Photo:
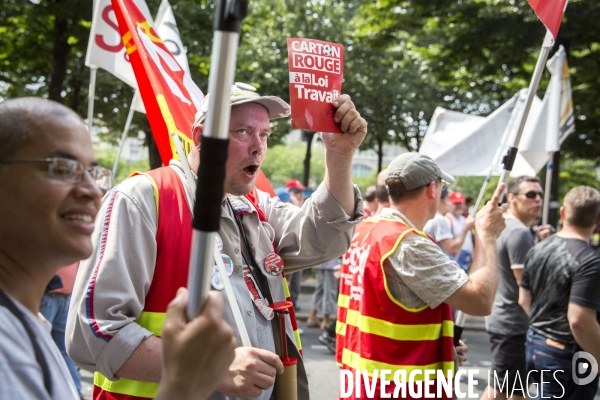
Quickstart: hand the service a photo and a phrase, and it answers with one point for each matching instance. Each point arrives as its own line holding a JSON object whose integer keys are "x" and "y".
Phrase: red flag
{"x": 550, "y": 12}
{"x": 170, "y": 96}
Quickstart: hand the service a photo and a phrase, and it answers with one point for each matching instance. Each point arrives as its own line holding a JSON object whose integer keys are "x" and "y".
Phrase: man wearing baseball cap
{"x": 460, "y": 248}
{"x": 143, "y": 245}
{"x": 398, "y": 288}
{"x": 296, "y": 190}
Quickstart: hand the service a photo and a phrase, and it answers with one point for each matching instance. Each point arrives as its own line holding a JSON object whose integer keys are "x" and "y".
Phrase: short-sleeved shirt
{"x": 508, "y": 317}
{"x": 456, "y": 225}
{"x": 559, "y": 271}
{"x": 439, "y": 229}
{"x": 21, "y": 376}
{"x": 418, "y": 273}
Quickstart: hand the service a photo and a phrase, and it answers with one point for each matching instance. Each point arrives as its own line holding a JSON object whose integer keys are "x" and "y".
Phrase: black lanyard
{"x": 259, "y": 278}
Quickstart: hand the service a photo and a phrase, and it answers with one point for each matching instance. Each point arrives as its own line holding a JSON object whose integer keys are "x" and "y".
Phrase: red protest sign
{"x": 316, "y": 75}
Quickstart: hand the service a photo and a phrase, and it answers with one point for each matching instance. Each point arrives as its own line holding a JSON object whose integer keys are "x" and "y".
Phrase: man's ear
{"x": 197, "y": 135}
{"x": 431, "y": 189}
{"x": 562, "y": 213}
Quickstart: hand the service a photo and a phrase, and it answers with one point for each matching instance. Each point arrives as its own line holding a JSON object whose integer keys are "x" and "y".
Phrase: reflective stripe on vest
{"x": 154, "y": 323}
{"x": 374, "y": 330}
{"x": 126, "y": 387}
{"x": 356, "y": 362}
{"x": 397, "y": 331}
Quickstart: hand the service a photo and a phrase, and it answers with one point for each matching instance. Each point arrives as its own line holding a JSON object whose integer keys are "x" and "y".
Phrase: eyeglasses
{"x": 531, "y": 194}
{"x": 438, "y": 181}
{"x": 71, "y": 171}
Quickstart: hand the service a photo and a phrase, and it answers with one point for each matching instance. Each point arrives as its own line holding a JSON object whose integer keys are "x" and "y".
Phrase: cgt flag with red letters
{"x": 170, "y": 96}
{"x": 550, "y": 12}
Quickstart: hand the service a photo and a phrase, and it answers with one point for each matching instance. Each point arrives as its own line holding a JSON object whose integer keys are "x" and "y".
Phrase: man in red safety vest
{"x": 397, "y": 287}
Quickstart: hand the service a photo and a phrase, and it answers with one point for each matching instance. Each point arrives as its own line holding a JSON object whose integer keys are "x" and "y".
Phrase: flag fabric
{"x": 170, "y": 96}
{"x": 466, "y": 145}
{"x": 550, "y": 12}
{"x": 555, "y": 121}
{"x": 105, "y": 48}
{"x": 167, "y": 90}
{"x": 168, "y": 32}
{"x": 567, "y": 118}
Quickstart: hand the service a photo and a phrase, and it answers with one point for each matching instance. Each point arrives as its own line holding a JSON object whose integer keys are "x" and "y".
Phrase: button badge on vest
{"x": 219, "y": 242}
{"x": 227, "y": 263}
{"x": 273, "y": 264}
{"x": 216, "y": 281}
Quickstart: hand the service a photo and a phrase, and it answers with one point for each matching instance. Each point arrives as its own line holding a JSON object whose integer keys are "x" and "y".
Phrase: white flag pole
{"x": 509, "y": 158}
{"x": 91, "y": 96}
{"x": 124, "y": 134}
{"x": 510, "y": 127}
{"x": 235, "y": 308}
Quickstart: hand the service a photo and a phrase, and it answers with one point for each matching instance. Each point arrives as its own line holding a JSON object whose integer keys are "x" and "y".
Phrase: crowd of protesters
{"x": 416, "y": 255}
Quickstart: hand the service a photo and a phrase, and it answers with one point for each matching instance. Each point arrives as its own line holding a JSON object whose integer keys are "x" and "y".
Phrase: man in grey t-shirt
{"x": 438, "y": 227}
{"x": 508, "y": 323}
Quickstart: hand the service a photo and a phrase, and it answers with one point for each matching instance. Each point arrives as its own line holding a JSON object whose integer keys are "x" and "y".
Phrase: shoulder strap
{"x": 39, "y": 356}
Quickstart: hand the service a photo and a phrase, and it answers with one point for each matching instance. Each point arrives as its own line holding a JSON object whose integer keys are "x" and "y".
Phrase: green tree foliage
{"x": 470, "y": 186}
{"x": 106, "y": 158}
{"x": 403, "y": 58}
{"x": 576, "y": 172}
{"x": 283, "y": 163}
{"x": 481, "y": 52}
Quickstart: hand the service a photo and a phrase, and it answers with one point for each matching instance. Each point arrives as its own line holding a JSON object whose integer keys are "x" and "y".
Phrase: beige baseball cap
{"x": 243, "y": 93}
{"x": 416, "y": 170}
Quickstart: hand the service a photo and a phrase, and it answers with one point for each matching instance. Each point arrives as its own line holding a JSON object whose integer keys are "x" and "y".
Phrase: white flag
{"x": 105, "y": 46}
{"x": 465, "y": 145}
{"x": 555, "y": 121}
{"x": 166, "y": 27}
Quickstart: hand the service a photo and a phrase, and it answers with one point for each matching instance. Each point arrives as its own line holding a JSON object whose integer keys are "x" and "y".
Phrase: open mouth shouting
{"x": 251, "y": 170}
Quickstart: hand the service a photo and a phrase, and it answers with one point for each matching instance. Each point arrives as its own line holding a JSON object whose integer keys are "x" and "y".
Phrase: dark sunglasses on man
{"x": 71, "y": 171}
{"x": 531, "y": 194}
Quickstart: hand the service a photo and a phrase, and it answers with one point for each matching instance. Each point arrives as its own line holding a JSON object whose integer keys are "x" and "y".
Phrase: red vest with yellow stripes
{"x": 375, "y": 330}
{"x": 173, "y": 241}
{"x": 173, "y": 246}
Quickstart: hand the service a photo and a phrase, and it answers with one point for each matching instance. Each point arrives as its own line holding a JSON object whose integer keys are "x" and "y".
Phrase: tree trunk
{"x": 379, "y": 154}
{"x": 76, "y": 83}
{"x": 154, "y": 155}
{"x": 309, "y": 138}
{"x": 60, "y": 52}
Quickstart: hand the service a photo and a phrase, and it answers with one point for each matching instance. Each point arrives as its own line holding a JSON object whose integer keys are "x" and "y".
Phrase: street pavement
{"x": 323, "y": 373}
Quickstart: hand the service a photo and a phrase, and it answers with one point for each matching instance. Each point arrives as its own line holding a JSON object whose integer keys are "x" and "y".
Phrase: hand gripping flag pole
{"x": 213, "y": 151}
{"x": 509, "y": 159}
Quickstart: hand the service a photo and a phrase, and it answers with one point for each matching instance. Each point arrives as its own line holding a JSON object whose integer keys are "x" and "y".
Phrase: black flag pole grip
{"x": 458, "y": 330}
{"x": 213, "y": 153}
{"x": 209, "y": 192}
{"x": 508, "y": 161}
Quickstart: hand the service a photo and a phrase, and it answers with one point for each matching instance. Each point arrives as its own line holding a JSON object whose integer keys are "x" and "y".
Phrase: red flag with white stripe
{"x": 550, "y": 12}
{"x": 170, "y": 96}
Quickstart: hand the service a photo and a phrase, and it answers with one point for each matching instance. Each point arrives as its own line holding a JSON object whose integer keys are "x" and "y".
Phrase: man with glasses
{"x": 507, "y": 325}
{"x": 51, "y": 190}
{"x": 397, "y": 286}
